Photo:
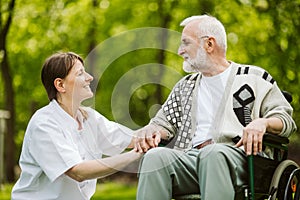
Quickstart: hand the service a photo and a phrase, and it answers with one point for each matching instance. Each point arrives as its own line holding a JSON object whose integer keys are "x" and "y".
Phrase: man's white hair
{"x": 209, "y": 26}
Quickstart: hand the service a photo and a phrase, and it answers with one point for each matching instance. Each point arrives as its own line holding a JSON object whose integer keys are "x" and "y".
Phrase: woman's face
{"x": 77, "y": 83}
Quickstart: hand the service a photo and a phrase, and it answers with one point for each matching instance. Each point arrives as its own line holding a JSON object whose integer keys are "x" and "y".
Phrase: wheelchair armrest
{"x": 279, "y": 145}
{"x": 287, "y": 96}
{"x": 268, "y": 138}
{"x": 275, "y": 139}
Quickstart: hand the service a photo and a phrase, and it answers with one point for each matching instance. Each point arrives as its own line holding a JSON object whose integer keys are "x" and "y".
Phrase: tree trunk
{"x": 9, "y": 158}
{"x": 166, "y": 18}
{"x": 10, "y": 106}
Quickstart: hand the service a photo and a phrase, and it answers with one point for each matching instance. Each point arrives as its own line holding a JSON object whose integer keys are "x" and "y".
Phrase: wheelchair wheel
{"x": 293, "y": 185}
{"x": 280, "y": 180}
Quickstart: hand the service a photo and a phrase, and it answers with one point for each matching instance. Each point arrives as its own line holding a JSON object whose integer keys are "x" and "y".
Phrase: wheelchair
{"x": 268, "y": 179}
{"x": 279, "y": 178}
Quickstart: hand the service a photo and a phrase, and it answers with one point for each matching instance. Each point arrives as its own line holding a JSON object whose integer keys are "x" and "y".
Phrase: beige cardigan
{"x": 250, "y": 93}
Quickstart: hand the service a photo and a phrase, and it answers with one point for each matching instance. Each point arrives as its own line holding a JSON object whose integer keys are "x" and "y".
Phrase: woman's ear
{"x": 59, "y": 85}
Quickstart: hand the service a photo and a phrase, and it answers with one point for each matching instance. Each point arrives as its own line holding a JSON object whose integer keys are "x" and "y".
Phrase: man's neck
{"x": 216, "y": 68}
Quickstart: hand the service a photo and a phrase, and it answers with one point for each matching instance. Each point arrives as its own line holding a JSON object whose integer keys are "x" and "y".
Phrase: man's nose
{"x": 180, "y": 51}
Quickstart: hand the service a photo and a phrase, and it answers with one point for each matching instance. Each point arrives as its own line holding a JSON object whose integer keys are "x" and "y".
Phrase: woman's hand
{"x": 146, "y": 138}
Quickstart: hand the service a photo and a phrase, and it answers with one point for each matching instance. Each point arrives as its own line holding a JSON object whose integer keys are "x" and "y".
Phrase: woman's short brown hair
{"x": 57, "y": 66}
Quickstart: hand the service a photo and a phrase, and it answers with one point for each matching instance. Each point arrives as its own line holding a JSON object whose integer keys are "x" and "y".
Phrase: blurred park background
{"x": 260, "y": 32}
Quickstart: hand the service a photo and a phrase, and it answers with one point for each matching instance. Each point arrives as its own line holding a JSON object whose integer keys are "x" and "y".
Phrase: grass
{"x": 112, "y": 190}
{"x": 115, "y": 190}
{"x": 104, "y": 191}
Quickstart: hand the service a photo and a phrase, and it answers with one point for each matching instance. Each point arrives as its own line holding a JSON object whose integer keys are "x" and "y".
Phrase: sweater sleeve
{"x": 161, "y": 119}
{"x": 275, "y": 105}
{"x": 169, "y": 116}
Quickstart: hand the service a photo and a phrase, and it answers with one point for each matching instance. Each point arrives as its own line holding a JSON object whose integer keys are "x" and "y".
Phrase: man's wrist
{"x": 164, "y": 133}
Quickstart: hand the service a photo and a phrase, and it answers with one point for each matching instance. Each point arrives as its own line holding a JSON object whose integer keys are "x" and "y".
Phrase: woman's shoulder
{"x": 43, "y": 117}
{"x": 43, "y": 113}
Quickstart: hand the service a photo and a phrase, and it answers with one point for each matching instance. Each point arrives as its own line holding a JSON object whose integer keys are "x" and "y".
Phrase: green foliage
{"x": 260, "y": 32}
{"x": 5, "y": 191}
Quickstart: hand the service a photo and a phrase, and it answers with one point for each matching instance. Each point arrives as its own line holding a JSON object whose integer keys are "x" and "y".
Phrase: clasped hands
{"x": 146, "y": 138}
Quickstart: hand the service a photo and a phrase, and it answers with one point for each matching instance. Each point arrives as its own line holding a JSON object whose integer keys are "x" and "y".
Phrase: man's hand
{"x": 253, "y": 136}
{"x": 146, "y": 138}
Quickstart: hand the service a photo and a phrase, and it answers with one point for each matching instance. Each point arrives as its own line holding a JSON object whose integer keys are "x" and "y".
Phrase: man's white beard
{"x": 188, "y": 67}
{"x": 195, "y": 65}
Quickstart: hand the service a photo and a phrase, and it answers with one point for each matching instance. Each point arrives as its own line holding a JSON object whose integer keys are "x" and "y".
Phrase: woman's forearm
{"x": 92, "y": 169}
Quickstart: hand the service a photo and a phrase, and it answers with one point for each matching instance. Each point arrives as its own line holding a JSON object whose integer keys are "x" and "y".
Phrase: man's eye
{"x": 183, "y": 44}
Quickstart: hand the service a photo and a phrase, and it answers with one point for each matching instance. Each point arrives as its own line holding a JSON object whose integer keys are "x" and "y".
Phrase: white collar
{"x": 63, "y": 117}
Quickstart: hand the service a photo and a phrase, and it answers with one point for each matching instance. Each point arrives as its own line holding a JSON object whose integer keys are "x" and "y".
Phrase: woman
{"x": 64, "y": 142}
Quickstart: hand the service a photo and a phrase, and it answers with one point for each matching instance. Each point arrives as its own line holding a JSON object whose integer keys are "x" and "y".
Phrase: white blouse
{"x": 53, "y": 144}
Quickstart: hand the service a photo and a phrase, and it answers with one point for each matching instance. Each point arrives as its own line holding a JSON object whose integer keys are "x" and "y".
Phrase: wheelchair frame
{"x": 283, "y": 178}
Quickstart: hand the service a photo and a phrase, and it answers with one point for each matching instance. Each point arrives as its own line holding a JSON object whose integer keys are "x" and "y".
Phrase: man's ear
{"x": 210, "y": 44}
{"x": 59, "y": 85}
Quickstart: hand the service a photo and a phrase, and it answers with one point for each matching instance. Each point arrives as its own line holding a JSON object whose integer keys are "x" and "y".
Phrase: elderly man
{"x": 203, "y": 116}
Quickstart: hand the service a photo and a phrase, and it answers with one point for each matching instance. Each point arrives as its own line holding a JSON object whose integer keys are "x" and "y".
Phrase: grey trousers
{"x": 214, "y": 171}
